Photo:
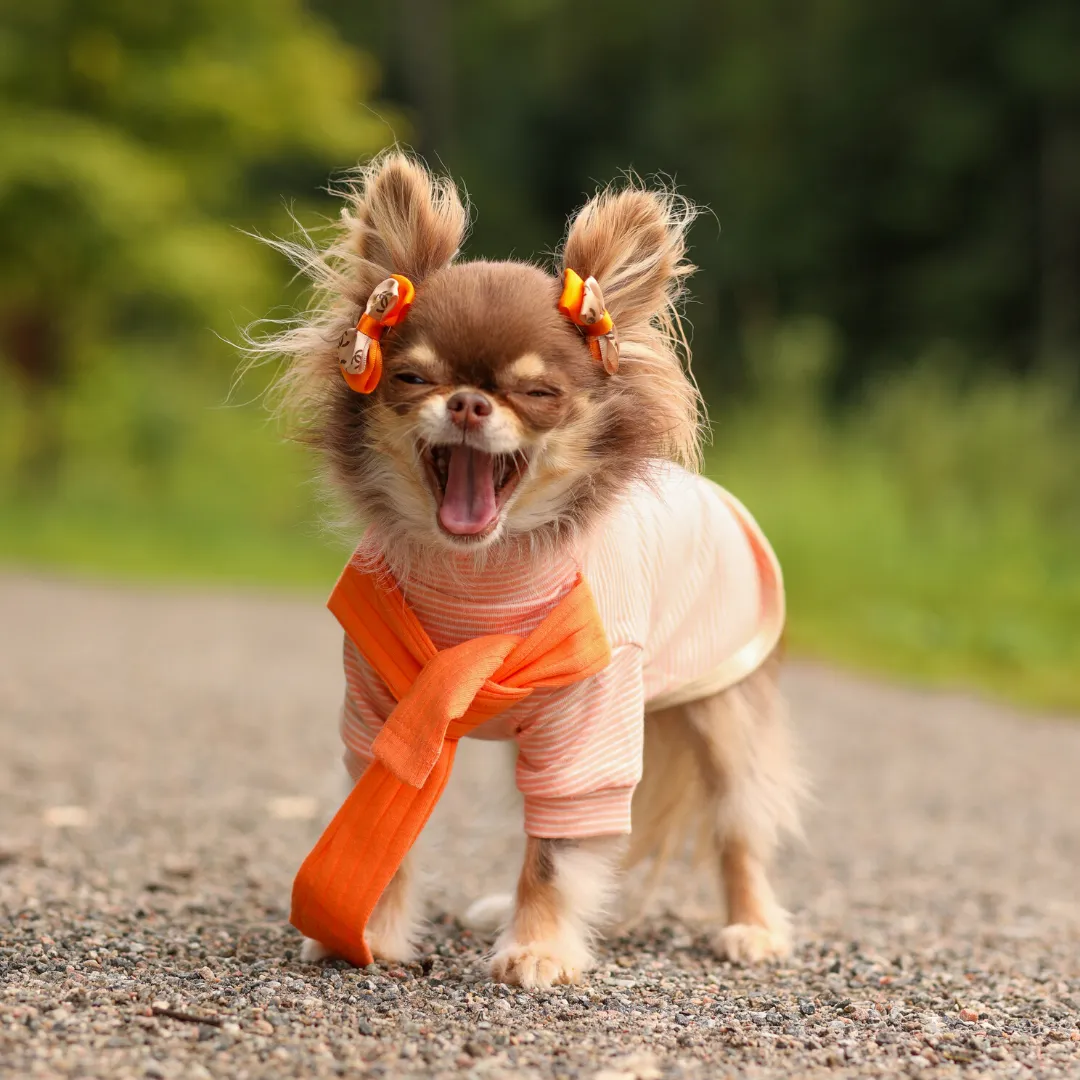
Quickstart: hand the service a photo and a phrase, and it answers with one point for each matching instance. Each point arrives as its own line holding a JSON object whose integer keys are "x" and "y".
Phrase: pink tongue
{"x": 468, "y": 505}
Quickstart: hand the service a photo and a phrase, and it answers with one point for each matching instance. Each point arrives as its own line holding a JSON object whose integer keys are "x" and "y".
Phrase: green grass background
{"x": 931, "y": 532}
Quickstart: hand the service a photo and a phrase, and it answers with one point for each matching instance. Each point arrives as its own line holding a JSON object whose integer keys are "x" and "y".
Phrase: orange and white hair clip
{"x": 582, "y": 302}
{"x": 359, "y": 350}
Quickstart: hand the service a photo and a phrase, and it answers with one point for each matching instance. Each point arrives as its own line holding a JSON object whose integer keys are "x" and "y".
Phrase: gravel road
{"x": 166, "y": 759}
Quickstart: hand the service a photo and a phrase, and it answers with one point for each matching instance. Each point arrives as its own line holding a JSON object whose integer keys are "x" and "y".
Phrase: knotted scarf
{"x": 441, "y": 696}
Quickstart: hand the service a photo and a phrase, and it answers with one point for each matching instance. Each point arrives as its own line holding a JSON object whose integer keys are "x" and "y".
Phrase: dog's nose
{"x": 468, "y": 409}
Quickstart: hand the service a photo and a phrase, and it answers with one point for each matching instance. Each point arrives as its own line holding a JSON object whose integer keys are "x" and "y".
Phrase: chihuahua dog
{"x": 510, "y": 442}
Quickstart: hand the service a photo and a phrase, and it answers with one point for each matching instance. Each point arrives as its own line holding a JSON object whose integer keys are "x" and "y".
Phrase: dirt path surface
{"x": 166, "y": 759}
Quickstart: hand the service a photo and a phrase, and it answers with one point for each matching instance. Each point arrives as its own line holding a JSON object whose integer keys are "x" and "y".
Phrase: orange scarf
{"x": 441, "y": 696}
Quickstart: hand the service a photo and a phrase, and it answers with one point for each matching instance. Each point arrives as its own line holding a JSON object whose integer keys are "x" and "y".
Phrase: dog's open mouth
{"x": 471, "y": 486}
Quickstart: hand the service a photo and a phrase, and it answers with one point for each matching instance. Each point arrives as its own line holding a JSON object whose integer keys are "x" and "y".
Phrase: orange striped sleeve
{"x": 580, "y": 753}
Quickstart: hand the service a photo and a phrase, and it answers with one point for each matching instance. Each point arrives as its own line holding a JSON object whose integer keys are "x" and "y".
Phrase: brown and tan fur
{"x": 720, "y": 779}
{"x": 716, "y": 771}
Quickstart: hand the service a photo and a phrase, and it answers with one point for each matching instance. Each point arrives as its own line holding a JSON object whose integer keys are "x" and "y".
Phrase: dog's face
{"x": 491, "y": 419}
{"x": 492, "y": 423}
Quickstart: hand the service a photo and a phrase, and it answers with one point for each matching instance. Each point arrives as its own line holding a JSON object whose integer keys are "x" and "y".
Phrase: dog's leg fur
{"x": 757, "y": 926}
{"x": 719, "y": 774}
{"x": 392, "y": 926}
{"x": 562, "y": 893}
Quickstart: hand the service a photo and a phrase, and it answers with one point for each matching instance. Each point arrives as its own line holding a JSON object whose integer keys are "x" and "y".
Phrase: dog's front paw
{"x": 538, "y": 964}
{"x": 312, "y": 951}
{"x": 390, "y": 943}
{"x": 742, "y": 943}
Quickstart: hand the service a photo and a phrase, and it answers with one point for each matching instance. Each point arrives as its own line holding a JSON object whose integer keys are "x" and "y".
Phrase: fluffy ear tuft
{"x": 400, "y": 219}
{"x": 633, "y": 241}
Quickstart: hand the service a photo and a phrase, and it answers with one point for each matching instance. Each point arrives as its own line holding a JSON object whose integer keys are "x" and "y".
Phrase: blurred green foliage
{"x": 910, "y": 172}
{"x": 886, "y": 322}
{"x": 139, "y": 140}
{"x": 930, "y": 531}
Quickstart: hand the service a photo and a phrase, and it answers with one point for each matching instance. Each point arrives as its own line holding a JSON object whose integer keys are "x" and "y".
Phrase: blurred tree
{"x": 137, "y": 138}
{"x": 910, "y": 172}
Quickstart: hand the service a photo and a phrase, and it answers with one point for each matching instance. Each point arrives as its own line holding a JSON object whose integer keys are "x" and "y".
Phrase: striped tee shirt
{"x": 691, "y": 599}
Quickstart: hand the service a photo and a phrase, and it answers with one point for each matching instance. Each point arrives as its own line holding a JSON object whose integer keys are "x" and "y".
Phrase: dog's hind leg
{"x": 719, "y": 775}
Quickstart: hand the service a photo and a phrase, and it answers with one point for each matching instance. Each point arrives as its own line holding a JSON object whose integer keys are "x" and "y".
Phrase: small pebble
{"x": 293, "y": 808}
{"x": 179, "y": 866}
{"x": 67, "y": 817}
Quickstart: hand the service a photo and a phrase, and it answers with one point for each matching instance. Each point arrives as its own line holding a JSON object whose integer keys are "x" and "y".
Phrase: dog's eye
{"x": 411, "y": 379}
{"x": 541, "y": 393}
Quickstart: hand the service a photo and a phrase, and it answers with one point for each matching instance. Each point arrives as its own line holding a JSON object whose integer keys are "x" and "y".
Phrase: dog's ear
{"x": 400, "y": 219}
{"x": 633, "y": 241}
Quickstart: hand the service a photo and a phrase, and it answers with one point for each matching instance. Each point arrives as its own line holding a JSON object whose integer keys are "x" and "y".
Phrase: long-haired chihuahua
{"x": 501, "y": 429}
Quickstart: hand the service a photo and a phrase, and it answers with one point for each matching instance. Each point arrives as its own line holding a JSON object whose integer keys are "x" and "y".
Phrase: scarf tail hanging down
{"x": 349, "y": 868}
{"x": 442, "y": 696}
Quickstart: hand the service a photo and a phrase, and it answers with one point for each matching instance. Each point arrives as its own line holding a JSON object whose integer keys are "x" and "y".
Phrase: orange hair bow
{"x": 582, "y": 302}
{"x": 359, "y": 351}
